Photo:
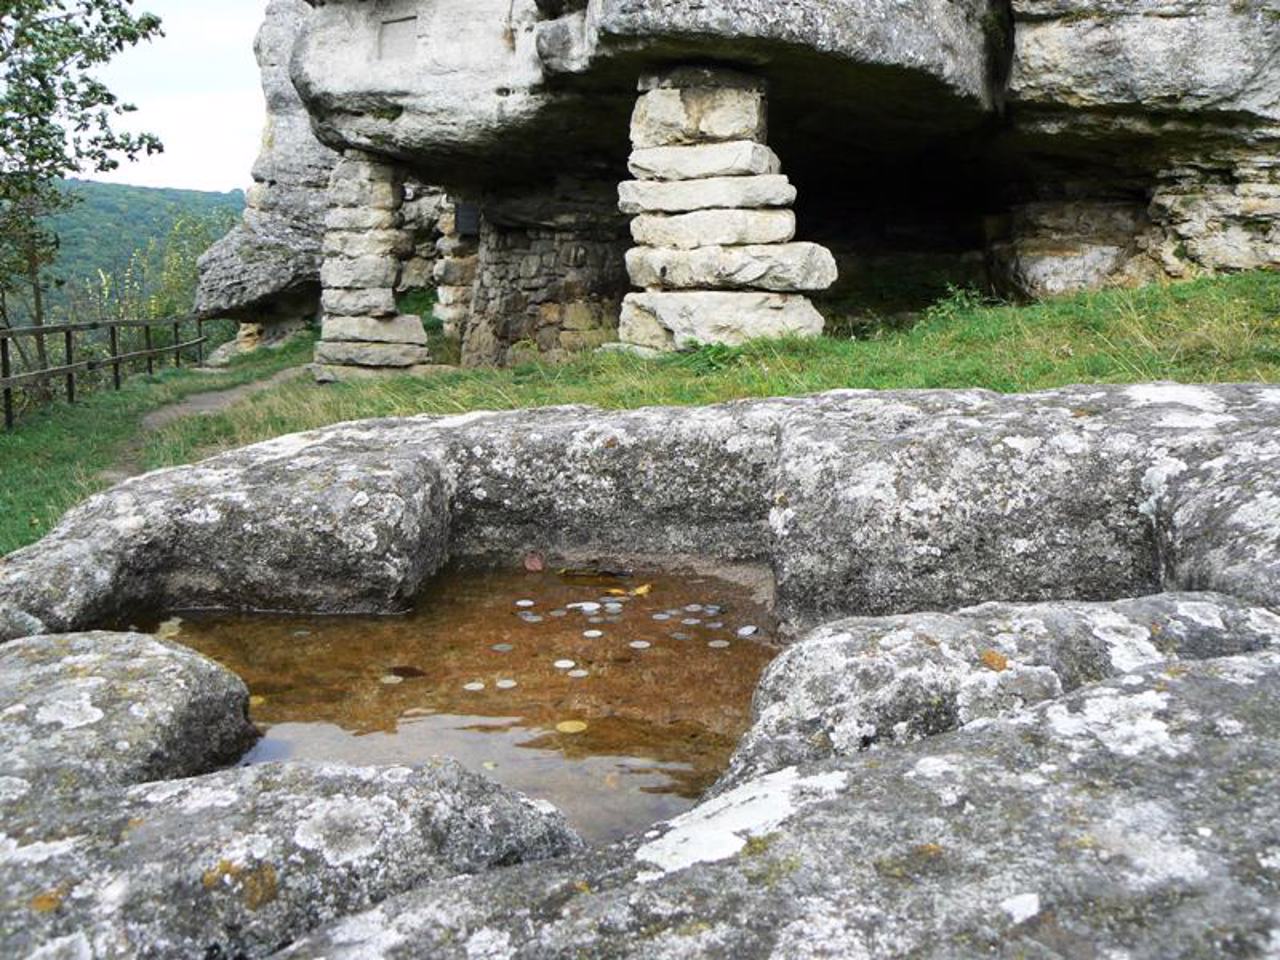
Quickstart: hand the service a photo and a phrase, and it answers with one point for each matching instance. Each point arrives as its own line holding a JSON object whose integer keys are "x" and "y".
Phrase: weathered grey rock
{"x": 854, "y": 684}
{"x": 360, "y": 273}
{"x": 368, "y": 243}
{"x": 674, "y": 321}
{"x": 455, "y": 271}
{"x": 405, "y": 328}
{"x": 88, "y": 711}
{"x": 1135, "y": 817}
{"x": 267, "y": 269}
{"x": 707, "y": 228}
{"x": 15, "y": 624}
{"x": 351, "y": 218}
{"x": 360, "y": 303}
{"x": 741, "y": 158}
{"x": 371, "y": 354}
{"x": 681, "y": 196}
{"x": 862, "y": 503}
{"x": 780, "y": 267}
{"x": 240, "y": 863}
{"x": 671, "y": 117}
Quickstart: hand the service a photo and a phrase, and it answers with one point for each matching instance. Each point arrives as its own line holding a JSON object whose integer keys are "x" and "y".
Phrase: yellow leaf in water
{"x": 571, "y": 726}
{"x": 616, "y": 592}
{"x": 642, "y": 591}
{"x": 257, "y": 700}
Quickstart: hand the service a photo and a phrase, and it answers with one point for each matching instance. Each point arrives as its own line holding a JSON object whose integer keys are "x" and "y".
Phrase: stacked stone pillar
{"x": 455, "y": 273}
{"x": 713, "y": 219}
{"x": 362, "y": 332}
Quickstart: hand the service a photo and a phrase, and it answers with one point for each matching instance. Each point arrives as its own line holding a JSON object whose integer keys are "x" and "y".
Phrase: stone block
{"x": 359, "y": 273}
{"x": 456, "y": 247}
{"x": 366, "y": 194}
{"x": 674, "y": 321}
{"x": 416, "y": 274}
{"x": 589, "y": 315}
{"x": 364, "y": 354}
{"x": 349, "y": 218}
{"x": 716, "y": 193}
{"x": 349, "y": 168}
{"x": 453, "y": 296}
{"x": 359, "y": 303}
{"x": 368, "y": 243}
{"x": 778, "y": 267}
{"x": 737, "y": 158}
{"x": 667, "y": 117}
{"x": 456, "y": 271}
{"x": 710, "y": 228}
{"x": 402, "y": 329}
{"x": 580, "y": 340}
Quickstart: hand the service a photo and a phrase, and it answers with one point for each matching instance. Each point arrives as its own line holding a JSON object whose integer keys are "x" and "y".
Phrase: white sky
{"x": 197, "y": 88}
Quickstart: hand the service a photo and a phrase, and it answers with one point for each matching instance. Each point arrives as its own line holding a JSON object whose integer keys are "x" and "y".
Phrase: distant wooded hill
{"x": 112, "y": 221}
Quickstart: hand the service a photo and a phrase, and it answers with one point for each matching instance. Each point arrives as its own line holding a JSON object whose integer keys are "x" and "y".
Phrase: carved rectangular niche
{"x": 398, "y": 39}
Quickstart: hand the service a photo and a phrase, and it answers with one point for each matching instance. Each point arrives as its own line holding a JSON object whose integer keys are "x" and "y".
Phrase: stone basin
{"x": 1031, "y": 703}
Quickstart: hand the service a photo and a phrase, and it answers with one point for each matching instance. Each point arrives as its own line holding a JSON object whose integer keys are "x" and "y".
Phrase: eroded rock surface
{"x": 863, "y": 503}
{"x": 84, "y": 712}
{"x": 240, "y": 863}
{"x": 1094, "y": 825}
{"x": 854, "y": 684}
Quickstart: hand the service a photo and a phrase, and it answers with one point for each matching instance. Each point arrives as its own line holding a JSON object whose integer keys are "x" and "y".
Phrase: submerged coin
{"x": 748, "y": 631}
{"x": 559, "y": 613}
{"x": 571, "y": 726}
{"x": 712, "y": 610}
{"x": 391, "y": 680}
{"x": 595, "y": 619}
{"x": 719, "y": 644}
{"x": 502, "y": 648}
{"x": 586, "y": 606}
{"x": 579, "y": 674}
{"x": 694, "y": 607}
{"x": 526, "y": 603}
{"x": 506, "y": 684}
{"x": 302, "y": 633}
{"x": 691, "y": 621}
{"x": 530, "y": 618}
{"x": 564, "y": 664}
{"x": 593, "y": 634}
{"x": 640, "y": 644}
{"x": 662, "y": 616}
{"x": 680, "y": 636}
{"x": 716, "y": 625}
{"x": 475, "y": 687}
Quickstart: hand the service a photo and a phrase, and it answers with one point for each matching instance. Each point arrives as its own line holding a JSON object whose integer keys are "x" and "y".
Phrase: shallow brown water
{"x": 631, "y": 736}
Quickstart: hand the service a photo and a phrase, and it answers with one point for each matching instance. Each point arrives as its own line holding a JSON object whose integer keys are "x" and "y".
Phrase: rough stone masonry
{"x": 713, "y": 219}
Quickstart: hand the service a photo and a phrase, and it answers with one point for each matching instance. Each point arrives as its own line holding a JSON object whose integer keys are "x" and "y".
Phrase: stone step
{"x": 404, "y": 329}
{"x": 716, "y": 193}
{"x": 779, "y": 267}
{"x": 669, "y": 117}
{"x": 738, "y": 158}
{"x": 711, "y": 228}
{"x": 674, "y": 321}
{"x": 350, "y": 353}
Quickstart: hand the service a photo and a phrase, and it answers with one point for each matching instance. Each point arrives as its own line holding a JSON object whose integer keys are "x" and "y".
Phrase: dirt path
{"x": 196, "y": 405}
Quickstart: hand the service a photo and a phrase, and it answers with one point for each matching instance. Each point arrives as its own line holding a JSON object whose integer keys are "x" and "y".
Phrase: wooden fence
{"x": 70, "y": 368}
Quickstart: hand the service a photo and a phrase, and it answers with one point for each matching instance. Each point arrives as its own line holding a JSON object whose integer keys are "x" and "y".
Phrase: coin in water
{"x": 691, "y": 621}
{"x": 391, "y": 680}
{"x": 694, "y": 607}
{"x": 593, "y": 634}
{"x": 531, "y": 618}
{"x": 526, "y": 603}
{"x": 716, "y": 625}
{"x": 564, "y": 664}
{"x": 559, "y": 613}
{"x": 662, "y": 616}
{"x": 571, "y": 726}
{"x": 579, "y": 674}
{"x": 748, "y": 631}
{"x": 680, "y": 636}
{"x": 595, "y": 619}
{"x": 473, "y": 687}
{"x": 640, "y": 644}
{"x": 586, "y": 606}
{"x": 712, "y": 610}
{"x": 718, "y": 644}
{"x": 506, "y": 684}
{"x": 502, "y": 648}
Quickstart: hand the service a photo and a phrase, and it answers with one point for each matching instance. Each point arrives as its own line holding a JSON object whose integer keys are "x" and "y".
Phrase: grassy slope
{"x": 1218, "y": 330}
{"x": 54, "y": 457}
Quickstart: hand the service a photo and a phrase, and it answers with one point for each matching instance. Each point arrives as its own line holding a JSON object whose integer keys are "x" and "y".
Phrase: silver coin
{"x": 559, "y": 613}
{"x": 502, "y": 648}
{"x": 613, "y": 608}
{"x": 662, "y": 616}
{"x": 694, "y": 608}
{"x": 531, "y": 618}
{"x": 680, "y": 636}
{"x": 391, "y": 680}
{"x": 595, "y": 619}
{"x": 712, "y": 610}
{"x": 302, "y": 633}
{"x": 586, "y": 606}
{"x": 748, "y": 631}
{"x": 691, "y": 621}
{"x": 579, "y": 674}
{"x": 640, "y": 644}
{"x": 506, "y": 684}
{"x": 719, "y": 644}
{"x": 564, "y": 664}
{"x": 593, "y": 634}
{"x": 716, "y": 625}
{"x": 473, "y": 687}
{"x": 526, "y": 603}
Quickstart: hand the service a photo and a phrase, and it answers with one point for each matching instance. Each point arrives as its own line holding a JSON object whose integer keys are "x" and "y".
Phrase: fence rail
{"x": 70, "y": 368}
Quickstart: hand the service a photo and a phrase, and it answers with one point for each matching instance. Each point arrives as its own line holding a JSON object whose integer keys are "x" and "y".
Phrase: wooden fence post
{"x": 177, "y": 339}
{"x": 200, "y": 344}
{"x": 151, "y": 367}
{"x": 115, "y": 353}
{"x": 4, "y": 375}
{"x": 68, "y": 339}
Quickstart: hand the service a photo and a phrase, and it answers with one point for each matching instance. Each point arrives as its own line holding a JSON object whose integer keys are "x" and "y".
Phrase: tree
{"x": 56, "y": 119}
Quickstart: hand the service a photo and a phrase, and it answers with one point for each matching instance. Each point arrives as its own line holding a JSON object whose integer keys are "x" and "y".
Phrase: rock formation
{"x": 1038, "y": 146}
{"x": 1080, "y": 764}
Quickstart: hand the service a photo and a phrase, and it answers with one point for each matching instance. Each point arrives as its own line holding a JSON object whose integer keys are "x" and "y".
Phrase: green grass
{"x": 1212, "y": 330}
{"x": 54, "y": 457}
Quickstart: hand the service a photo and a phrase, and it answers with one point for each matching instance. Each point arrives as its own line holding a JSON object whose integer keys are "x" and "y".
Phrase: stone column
{"x": 455, "y": 273}
{"x": 362, "y": 331}
{"x": 712, "y": 219}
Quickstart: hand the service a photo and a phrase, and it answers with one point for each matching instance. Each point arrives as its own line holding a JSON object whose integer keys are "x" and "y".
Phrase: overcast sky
{"x": 197, "y": 88}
